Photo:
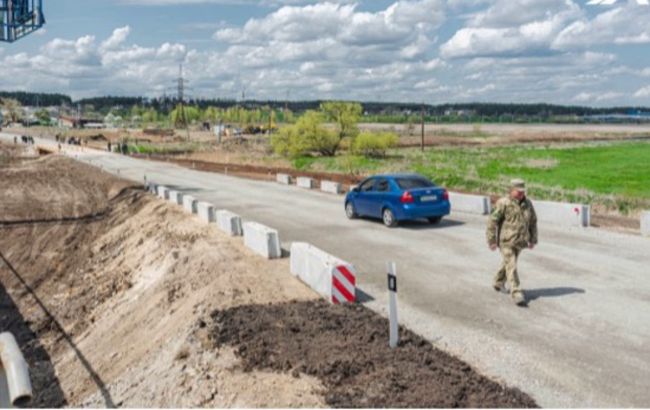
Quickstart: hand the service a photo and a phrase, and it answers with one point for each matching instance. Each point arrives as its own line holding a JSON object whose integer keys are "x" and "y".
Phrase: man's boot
{"x": 519, "y": 299}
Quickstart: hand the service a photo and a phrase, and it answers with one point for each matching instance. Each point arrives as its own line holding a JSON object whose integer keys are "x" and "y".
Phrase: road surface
{"x": 582, "y": 342}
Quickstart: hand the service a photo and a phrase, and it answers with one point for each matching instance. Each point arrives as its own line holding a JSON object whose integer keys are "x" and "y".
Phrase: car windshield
{"x": 413, "y": 183}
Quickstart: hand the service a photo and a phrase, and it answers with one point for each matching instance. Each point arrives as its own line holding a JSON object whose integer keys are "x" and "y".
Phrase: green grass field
{"x": 616, "y": 175}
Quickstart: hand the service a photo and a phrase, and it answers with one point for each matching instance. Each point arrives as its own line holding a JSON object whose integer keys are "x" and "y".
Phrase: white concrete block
{"x": 229, "y": 222}
{"x": 560, "y": 213}
{"x": 190, "y": 204}
{"x": 473, "y": 204}
{"x": 205, "y": 210}
{"x": 645, "y": 223}
{"x": 331, "y": 187}
{"x": 163, "y": 192}
{"x": 176, "y": 197}
{"x": 331, "y": 277}
{"x": 306, "y": 182}
{"x": 262, "y": 240}
{"x": 283, "y": 179}
{"x": 151, "y": 188}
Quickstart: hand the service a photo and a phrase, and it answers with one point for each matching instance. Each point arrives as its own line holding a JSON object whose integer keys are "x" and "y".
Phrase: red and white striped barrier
{"x": 344, "y": 284}
{"x": 331, "y": 277}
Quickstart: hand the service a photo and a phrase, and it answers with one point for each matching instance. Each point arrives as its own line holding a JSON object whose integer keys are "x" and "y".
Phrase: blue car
{"x": 398, "y": 197}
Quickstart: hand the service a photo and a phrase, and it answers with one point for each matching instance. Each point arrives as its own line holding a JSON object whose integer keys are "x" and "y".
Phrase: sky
{"x": 567, "y": 52}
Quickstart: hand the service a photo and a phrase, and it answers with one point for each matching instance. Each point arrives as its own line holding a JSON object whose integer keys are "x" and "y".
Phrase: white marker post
{"x": 392, "y": 304}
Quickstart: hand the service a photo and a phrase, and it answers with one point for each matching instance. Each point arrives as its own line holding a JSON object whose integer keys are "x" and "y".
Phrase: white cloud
{"x": 507, "y": 28}
{"x": 627, "y": 24}
{"x": 643, "y": 92}
{"x": 117, "y": 38}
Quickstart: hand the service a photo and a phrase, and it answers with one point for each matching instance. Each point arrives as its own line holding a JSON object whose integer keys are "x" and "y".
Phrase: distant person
{"x": 110, "y": 147}
{"x": 512, "y": 227}
{"x": 15, "y": 140}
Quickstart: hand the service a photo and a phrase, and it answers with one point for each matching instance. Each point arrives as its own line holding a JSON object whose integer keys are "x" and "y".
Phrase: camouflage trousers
{"x": 508, "y": 270}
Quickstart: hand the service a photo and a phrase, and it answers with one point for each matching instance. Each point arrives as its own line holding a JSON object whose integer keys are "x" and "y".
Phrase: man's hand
{"x": 493, "y": 247}
{"x": 531, "y": 245}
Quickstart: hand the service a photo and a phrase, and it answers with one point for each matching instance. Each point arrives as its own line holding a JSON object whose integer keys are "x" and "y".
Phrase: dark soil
{"x": 346, "y": 347}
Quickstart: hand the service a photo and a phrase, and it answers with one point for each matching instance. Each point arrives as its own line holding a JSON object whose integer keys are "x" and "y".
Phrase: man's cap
{"x": 518, "y": 184}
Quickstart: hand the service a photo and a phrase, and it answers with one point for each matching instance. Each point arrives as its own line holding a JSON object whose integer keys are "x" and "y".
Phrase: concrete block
{"x": 190, "y": 204}
{"x": 645, "y": 223}
{"x": 331, "y": 277}
{"x": 176, "y": 197}
{"x": 163, "y": 192}
{"x": 473, "y": 204}
{"x": 331, "y": 187}
{"x": 151, "y": 188}
{"x": 229, "y": 222}
{"x": 262, "y": 240}
{"x": 205, "y": 210}
{"x": 306, "y": 182}
{"x": 565, "y": 214}
{"x": 283, "y": 179}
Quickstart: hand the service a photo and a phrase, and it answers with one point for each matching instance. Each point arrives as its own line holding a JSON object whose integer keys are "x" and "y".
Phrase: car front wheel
{"x": 389, "y": 218}
{"x": 349, "y": 211}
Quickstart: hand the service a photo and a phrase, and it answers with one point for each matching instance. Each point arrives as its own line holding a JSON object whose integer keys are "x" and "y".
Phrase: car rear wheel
{"x": 389, "y": 218}
{"x": 435, "y": 220}
{"x": 349, "y": 211}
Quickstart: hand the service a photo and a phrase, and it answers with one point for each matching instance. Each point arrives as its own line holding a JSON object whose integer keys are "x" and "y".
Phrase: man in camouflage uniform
{"x": 512, "y": 227}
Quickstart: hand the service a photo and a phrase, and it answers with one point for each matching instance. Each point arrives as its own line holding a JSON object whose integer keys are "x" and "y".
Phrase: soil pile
{"x": 105, "y": 288}
{"x": 346, "y": 347}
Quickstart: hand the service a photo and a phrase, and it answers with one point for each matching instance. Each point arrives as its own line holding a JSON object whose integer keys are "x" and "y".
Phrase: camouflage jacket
{"x": 513, "y": 224}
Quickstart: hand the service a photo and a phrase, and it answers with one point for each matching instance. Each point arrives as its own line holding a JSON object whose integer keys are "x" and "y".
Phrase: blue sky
{"x": 435, "y": 51}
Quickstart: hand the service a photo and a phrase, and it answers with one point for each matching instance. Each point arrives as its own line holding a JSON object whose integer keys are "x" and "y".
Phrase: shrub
{"x": 307, "y": 136}
{"x": 374, "y": 144}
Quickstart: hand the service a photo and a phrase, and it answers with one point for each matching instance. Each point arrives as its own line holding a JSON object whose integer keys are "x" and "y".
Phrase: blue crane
{"x": 19, "y": 18}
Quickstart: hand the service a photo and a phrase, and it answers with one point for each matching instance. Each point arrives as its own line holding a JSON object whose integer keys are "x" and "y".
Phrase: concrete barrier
{"x": 645, "y": 223}
{"x": 328, "y": 275}
{"x": 306, "y": 182}
{"x": 262, "y": 240}
{"x": 15, "y": 383}
{"x": 283, "y": 179}
{"x": 473, "y": 204}
{"x": 205, "y": 211}
{"x": 151, "y": 188}
{"x": 331, "y": 187}
{"x": 163, "y": 192}
{"x": 560, "y": 213}
{"x": 176, "y": 197}
{"x": 229, "y": 222}
{"x": 190, "y": 204}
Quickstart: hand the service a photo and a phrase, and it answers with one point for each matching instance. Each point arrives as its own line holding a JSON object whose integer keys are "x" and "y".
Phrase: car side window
{"x": 382, "y": 186}
{"x": 367, "y": 186}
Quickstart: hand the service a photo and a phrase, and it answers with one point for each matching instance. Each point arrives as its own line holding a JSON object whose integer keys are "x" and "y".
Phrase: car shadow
{"x": 418, "y": 224}
{"x": 534, "y": 294}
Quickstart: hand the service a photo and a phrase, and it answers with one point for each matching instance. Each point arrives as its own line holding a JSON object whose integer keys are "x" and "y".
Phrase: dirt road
{"x": 582, "y": 342}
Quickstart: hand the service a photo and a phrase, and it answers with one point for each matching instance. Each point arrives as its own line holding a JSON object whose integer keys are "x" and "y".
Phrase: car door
{"x": 377, "y": 197}
{"x": 364, "y": 197}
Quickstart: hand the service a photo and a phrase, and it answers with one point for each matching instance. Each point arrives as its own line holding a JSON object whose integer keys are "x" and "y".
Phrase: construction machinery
{"x": 19, "y": 18}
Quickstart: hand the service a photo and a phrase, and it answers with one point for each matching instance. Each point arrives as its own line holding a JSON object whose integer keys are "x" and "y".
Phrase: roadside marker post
{"x": 392, "y": 305}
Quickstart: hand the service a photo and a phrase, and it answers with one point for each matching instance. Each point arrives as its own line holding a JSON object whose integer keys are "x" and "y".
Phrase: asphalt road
{"x": 582, "y": 342}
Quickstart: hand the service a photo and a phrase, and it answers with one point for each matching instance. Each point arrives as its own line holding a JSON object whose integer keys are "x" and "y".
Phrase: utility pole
{"x": 422, "y": 120}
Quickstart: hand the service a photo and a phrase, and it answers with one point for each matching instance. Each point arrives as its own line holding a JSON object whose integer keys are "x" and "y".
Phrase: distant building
{"x": 72, "y": 122}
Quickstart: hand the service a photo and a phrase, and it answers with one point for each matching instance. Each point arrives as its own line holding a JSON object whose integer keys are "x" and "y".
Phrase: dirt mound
{"x": 346, "y": 347}
{"x": 105, "y": 286}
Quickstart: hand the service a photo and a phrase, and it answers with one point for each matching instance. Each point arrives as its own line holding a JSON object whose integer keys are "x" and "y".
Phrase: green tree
{"x": 13, "y": 108}
{"x": 43, "y": 117}
{"x": 308, "y": 135}
{"x": 346, "y": 116}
